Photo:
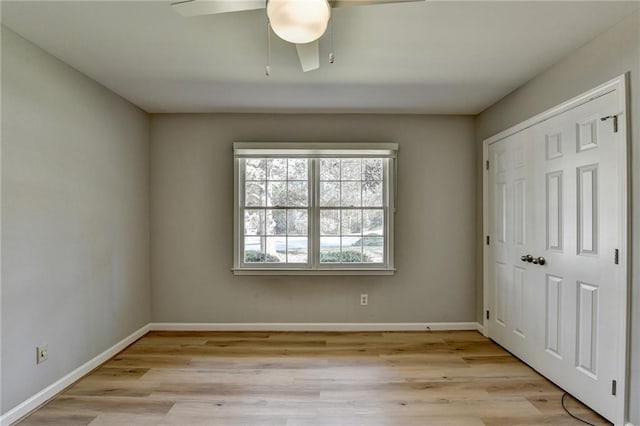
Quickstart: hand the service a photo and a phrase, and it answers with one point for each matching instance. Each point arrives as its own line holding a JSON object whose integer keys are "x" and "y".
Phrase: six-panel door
{"x": 554, "y": 193}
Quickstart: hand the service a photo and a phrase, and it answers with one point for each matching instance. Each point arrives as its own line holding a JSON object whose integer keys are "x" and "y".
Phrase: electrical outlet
{"x": 42, "y": 353}
{"x": 364, "y": 299}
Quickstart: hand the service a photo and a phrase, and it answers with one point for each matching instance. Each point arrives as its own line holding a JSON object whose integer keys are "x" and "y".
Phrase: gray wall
{"x": 75, "y": 218}
{"x": 75, "y": 212}
{"x": 192, "y": 222}
{"x": 609, "y": 55}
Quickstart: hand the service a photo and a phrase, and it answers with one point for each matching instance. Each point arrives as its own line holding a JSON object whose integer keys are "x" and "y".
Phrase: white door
{"x": 510, "y": 230}
{"x": 554, "y": 193}
{"x": 578, "y": 213}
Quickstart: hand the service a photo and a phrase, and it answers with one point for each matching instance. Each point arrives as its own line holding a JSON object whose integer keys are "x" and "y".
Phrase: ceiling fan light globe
{"x": 299, "y": 21}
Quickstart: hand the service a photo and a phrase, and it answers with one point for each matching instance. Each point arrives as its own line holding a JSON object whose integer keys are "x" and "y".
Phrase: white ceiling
{"x": 428, "y": 57}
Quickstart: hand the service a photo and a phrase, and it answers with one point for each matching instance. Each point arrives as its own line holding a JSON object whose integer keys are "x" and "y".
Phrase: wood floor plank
{"x": 382, "y": 421}
{"x": 52, "y": 418}
{"x": 111, "y": 372}
{"x": 301, "y": 379}
{"x": 150, "y": 361}
{"x": 349, "y": 408}
{"x": 103, "y": 403}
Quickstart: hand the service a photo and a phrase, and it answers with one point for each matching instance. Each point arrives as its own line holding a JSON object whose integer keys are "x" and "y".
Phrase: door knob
{"x": 535, "y": 261}
{"x": 529, "y": 258}
{"x": 523, "y": 258}
{"x": 541, "y": 261}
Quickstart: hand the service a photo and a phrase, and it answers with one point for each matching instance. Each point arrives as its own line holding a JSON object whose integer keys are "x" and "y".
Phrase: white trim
{"x": 628, "y": 424}
{"x": 481, "y": 329}
{"x": 619, "y": 84}
{"x": 625, "y": 245}
{"x": 52, "y": 390}
{"x": 313, "y": 265}
{"x": 485, "y": 233}
{"x": 314, "y": 326}
{"x": 319, "y": 271}
{"x": 248, "y": 149}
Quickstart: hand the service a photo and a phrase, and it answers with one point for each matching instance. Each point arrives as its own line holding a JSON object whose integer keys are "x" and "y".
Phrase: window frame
{"x": 314, "y": 152}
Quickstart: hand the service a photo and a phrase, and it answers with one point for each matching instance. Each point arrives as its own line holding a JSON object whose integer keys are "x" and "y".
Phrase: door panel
{"x": 501, "y": 206}
{"x": 553, "y": 315}
{"x": 586, "y": 353}
{"x": 554, "y": 210}
{"x": 519, "y": 301}
{"x": 587, "y": 191}
{"x": 520, "y": 212}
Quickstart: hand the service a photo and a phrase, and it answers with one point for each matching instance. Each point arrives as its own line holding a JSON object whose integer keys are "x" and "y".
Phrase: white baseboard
{"x": 628, "y": 424}
{"x": 481, "y": 329}
{"x": 52, "y": 390}
{"x": 311, "y": 326}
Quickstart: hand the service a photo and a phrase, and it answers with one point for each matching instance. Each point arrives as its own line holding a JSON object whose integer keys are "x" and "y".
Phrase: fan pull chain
{"x": 268, "y": 67}
{"x": 331, "y": 58}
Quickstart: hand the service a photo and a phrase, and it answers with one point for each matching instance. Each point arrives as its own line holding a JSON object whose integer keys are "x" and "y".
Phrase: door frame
{"x": 620, "y": 85}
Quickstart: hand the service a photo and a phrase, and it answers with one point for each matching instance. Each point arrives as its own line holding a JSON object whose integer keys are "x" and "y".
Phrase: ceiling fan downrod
{"x": 331, "y": 57}
{"x": 268, "y": 67}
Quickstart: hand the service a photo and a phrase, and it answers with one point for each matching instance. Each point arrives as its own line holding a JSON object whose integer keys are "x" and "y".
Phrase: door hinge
{"x": 488, "y": 240}
{"x": 614, "y": 386}
{"x": 488, "y": 314}
{"x": 487, "y": 164}
{"x": 616, "y": 256}
{"x": 615, "y": 121}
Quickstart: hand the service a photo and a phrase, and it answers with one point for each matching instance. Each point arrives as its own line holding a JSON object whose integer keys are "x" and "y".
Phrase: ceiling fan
{"x": 301, "y": 22}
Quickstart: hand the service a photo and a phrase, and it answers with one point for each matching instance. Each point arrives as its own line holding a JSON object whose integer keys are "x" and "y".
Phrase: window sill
{"x": 345, "y": 271}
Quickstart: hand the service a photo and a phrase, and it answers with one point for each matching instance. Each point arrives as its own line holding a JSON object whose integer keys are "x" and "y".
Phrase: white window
{"x": 314, "y": 208}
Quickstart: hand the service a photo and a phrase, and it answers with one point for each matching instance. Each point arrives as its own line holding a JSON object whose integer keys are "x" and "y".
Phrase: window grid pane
{"x": 351, "y": 211}
{"x": 276, "y": 211}
{"x": 353, "y": 233}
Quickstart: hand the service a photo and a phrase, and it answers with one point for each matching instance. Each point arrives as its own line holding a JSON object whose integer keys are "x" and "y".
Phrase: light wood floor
{"x": 342, "y": 379}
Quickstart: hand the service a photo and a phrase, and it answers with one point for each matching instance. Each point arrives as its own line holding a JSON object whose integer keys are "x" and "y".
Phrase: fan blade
{"x": 309, "y": 54}
{"x": 348, "y": 3}
{"x": 211, "y": 7}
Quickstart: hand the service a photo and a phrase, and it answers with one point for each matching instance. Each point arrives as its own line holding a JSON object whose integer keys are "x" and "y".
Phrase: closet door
{"x": 578, "y": 217}
{"x": 511, "y": 196}
{"x": 554, "y": 196}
